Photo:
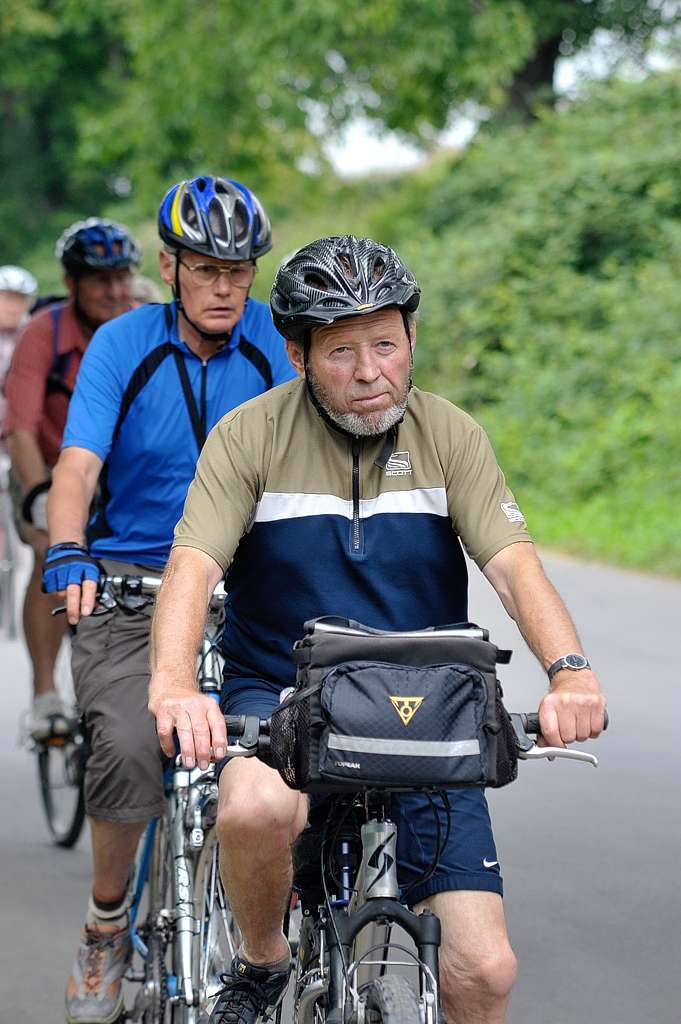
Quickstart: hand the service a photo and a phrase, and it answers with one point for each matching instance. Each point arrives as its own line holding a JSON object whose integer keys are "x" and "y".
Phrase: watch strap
{"x": 562, "y": 663}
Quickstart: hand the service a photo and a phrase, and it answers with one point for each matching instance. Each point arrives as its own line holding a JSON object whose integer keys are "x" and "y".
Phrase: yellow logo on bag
{"x": 406, "y": 707}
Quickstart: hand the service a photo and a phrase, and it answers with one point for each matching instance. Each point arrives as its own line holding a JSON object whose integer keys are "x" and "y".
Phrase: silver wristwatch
{"x": 575, "y": 662}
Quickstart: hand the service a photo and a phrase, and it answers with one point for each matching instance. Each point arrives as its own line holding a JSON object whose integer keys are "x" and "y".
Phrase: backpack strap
{"x": 56, "y": 378}
{"x": 258, "y": 359}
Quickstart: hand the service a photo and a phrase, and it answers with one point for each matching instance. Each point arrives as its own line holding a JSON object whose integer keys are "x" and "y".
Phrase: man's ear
{"x": 166, "y": 262}
{"x": 296, "y": 356}
{"x": 70, "y": 282}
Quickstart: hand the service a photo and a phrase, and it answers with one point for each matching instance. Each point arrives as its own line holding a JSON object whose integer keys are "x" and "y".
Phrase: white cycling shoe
{"x": 49, "y": 716}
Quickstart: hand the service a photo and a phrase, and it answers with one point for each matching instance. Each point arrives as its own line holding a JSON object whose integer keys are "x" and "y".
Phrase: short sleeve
{"x": 222, "y": 498}
{"x": 26, "y": 379}
{"x": 483, "y": 510}
{"x": 96, "y": 400}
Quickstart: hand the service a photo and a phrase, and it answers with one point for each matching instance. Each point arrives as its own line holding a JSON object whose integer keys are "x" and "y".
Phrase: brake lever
{"x": 535, "y": 753}
{"x": 529, "y": 751}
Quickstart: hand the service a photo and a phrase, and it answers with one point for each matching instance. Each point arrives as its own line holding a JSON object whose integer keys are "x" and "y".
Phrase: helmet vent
{"x": 201, "y": 184}
{"x": 315, "y": 281}
{"x": 346, "y": 266}
{"x": 378, "y": 270}
{"x": 241, "y": 225}
{"x": 217, "y": 222}
{"x": 189, "y": 214}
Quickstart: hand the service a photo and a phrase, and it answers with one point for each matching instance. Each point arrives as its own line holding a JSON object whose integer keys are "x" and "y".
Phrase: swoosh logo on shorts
{"x": 489, "y": 863}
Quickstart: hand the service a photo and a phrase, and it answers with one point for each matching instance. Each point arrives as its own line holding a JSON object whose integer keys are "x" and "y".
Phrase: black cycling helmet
{"x": 216, "y": 217}
{"x": 97, "y": 244}
{"x": 337, "y": 277}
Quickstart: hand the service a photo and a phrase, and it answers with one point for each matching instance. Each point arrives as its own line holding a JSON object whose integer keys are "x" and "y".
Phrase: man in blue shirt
{"x": 151, "y": 386}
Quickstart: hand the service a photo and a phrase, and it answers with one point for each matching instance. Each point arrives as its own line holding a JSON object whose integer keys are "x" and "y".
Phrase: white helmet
{"x": 16, "y": 279}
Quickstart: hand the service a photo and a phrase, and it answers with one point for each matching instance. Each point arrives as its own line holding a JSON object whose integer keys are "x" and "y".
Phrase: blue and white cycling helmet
{"x": 216, "y": 217}
{"x": 97, "y": 244}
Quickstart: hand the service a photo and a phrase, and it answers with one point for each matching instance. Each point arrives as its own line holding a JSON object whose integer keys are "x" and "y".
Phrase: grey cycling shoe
{"x": 250, "y": 994}
{"x": 94, "y": 992}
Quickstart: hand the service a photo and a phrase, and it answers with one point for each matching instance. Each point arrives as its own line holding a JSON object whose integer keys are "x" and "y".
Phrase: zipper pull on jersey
{"x": 356, "y": 528}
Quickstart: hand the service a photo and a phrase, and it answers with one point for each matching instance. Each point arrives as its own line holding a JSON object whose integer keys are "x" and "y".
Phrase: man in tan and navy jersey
{"x": 347, "y": 492}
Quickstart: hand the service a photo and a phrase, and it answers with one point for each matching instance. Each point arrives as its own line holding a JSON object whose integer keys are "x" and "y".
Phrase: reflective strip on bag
{"x": 403, "y": 748}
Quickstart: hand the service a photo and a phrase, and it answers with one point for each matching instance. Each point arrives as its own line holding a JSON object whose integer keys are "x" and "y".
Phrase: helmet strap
{"x": 215, "y": 337}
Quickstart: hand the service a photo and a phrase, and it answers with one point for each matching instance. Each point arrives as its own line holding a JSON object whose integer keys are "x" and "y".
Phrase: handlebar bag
{"x": 374, "y": 709}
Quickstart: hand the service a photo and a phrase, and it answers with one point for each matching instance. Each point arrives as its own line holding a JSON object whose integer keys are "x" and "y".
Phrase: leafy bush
{"x": 550, "y": 270}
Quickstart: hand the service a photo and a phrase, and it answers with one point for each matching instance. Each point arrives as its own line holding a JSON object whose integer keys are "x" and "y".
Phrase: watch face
{"x": 575, "y": 661}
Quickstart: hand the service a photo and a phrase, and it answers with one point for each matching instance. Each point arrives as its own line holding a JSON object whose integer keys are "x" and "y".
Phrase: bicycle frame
{"x": 351, "y": 933}
{"x": 177, "y": 838}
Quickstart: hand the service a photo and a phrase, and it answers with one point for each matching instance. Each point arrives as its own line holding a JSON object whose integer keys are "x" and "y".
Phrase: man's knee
{"x": 483, "y": 975}
{"x": 256, "y": 802}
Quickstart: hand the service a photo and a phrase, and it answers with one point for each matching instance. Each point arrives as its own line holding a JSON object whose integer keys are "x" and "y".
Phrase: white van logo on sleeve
{"x": 512, "y": 512}
{"x": 399, "y": 464}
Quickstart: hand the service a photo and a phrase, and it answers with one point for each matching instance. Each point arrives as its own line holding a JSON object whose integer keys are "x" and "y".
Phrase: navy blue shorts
{"x": 469, "y": 860}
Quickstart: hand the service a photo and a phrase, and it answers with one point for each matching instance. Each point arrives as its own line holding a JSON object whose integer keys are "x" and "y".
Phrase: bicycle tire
{"x": 218, "y": 937}
{"x": 391, "y": 1000}
{"x": 60, "y": 775}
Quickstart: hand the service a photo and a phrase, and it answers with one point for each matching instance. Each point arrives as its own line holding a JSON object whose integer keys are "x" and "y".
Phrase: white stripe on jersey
{"x": 274, "y": 507}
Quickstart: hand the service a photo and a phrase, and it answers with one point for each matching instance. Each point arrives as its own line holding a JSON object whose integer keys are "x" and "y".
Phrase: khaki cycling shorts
{"x": 110, "y": 664}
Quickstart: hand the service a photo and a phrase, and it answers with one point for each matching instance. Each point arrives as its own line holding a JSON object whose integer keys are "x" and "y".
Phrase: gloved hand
{"x": 66, "y": 564}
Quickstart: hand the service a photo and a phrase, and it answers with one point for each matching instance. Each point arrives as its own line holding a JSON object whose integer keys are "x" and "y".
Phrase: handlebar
{"x": 131, "y": 586}
{"x": 253, "y": 734}
{"x": 112, "y": 589}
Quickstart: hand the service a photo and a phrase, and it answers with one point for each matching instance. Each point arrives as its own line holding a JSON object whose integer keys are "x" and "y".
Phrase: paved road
{"x": 589, "y": 857}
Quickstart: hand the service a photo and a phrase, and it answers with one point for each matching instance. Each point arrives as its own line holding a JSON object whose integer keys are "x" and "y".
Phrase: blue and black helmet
{"x": 216, "y": 217}
{"x": 97, "y": 244}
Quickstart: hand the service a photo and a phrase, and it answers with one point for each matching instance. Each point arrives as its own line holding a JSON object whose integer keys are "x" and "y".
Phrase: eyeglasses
{"x": 205, "y": 274}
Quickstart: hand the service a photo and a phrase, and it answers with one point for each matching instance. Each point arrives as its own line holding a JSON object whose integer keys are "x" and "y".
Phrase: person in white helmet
{"x": 17, "y": 290}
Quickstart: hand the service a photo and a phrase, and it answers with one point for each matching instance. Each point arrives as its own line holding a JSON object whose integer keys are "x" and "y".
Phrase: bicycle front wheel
{"x": 61, "y": 762}
{"x": 392, "y": 1000}
{"x": 218, "y": 938}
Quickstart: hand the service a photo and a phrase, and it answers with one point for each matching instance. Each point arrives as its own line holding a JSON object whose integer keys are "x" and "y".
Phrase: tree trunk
{"x": 534, "y": 81}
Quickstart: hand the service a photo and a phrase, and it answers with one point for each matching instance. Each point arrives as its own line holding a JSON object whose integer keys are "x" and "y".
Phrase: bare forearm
{"x": 69, "y": 501}
{"x": 533, "y": 602}
{"x": 179, "y": 620}
{"x": 573, "y": 709}
{"x": 27, "y": 460}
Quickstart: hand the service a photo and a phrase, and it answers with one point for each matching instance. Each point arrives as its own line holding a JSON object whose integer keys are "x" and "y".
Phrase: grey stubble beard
{"x": 367, "y": 425}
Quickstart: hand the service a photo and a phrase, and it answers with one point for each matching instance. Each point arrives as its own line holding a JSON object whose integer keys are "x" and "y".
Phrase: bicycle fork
{"x": 373, "y": 908}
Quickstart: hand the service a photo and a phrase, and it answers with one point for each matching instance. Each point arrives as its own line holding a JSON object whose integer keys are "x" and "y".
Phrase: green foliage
{"x": 550, "y": 267}
{"x": 97, "y": 93}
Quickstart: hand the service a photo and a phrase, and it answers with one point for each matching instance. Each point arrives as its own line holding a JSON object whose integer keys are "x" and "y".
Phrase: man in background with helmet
{"x": 151, "y": 387}
{"x": 98, "y": 257}
{"x": 366, "y": 521}
{"x": 17, "y": 289}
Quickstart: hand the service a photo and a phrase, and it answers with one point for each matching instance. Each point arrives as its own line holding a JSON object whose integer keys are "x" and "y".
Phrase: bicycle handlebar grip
{"x": 531, "y": 723}
{"x": 235, "y": 724}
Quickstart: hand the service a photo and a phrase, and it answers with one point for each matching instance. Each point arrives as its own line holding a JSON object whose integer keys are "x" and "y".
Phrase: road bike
{"x": 181, "y": 929}
{"x": 351, "y": 967}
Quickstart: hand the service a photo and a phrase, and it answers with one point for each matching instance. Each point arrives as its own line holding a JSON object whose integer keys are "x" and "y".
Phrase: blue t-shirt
{"x": 148, "y": 445}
